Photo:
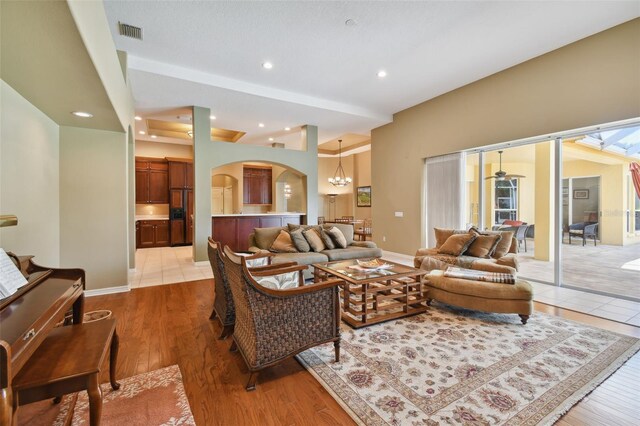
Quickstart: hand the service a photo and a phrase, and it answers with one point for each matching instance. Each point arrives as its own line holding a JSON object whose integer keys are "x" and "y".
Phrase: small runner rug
{"x": 452, "y": 366}
{"x": 153, "y": 398}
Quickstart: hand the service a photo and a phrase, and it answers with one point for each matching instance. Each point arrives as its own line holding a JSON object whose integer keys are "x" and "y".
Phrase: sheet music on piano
{"x": 11, "y": 279}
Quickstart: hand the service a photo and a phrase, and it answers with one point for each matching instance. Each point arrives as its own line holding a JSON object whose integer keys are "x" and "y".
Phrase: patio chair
{"x": 583, "y": 230}
{"x": 521, "y": 235}
{"x": 272, "y": 324}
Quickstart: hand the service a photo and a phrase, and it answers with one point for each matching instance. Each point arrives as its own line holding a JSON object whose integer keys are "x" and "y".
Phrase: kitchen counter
{"x": 234, "y": 229}
{"x": 259, "y": 214}
{"x": 151, "y": 217}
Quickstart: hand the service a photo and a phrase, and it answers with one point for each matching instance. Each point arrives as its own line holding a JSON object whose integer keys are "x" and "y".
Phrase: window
{"x": 506, "y": 200}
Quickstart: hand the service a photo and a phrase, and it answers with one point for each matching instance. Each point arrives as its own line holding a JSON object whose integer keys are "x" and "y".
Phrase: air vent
{"x": 130, "y": 31}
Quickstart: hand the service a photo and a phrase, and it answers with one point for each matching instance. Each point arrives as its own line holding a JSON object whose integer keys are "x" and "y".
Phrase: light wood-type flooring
{"x": 169, "y": 324}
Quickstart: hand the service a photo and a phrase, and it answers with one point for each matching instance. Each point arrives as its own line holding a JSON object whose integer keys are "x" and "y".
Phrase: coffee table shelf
{"x": 371, "y": 297}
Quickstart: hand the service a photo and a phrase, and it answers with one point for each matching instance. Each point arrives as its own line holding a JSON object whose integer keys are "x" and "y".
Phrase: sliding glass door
{"x": 571, "y": 204}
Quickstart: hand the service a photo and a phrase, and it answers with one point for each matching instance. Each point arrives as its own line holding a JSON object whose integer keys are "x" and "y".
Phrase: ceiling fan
{"x": 501, "y": 174}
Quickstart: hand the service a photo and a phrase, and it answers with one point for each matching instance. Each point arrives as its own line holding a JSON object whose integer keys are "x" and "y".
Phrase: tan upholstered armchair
{"x": 274, "y": 324}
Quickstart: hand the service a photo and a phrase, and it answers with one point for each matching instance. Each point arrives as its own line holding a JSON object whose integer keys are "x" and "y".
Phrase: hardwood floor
{"x": 169, "y": 324}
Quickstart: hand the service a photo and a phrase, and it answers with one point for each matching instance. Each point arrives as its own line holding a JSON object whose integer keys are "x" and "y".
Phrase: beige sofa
{"x": 429, "y": 259}
{"x": 262, "y": 239}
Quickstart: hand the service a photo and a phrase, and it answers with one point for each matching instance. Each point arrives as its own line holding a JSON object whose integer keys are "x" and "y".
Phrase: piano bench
{"x": 70, "y": 360}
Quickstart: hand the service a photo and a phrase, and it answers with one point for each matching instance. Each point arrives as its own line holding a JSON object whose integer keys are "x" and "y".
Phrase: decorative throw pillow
{"x": 504, "y": 244}
{"x": 442, "y": 234}
{"x": 280, "y": 281}
{"x": 326, "y": 239}
{"x": 483, "y": 246}
{"x": 313, "y": 238}
{"x": 337, "y": 236}
{"x": 299, "y": 241}
{"x": 283, "y": 244}
{"x": 457, "y": 244}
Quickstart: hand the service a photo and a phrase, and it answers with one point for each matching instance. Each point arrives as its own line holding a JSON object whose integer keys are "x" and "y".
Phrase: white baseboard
{"x": 201, "y": 263}
{"x": 108, "y": 290}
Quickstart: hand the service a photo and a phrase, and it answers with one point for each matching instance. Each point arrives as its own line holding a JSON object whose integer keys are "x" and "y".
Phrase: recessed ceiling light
{"x": 260, "y": 124}
{"x": 142, "y": 132}
{"x": 270, "y": 139}
{"x": 138, "y": 118}
{"x": 153, "y": 136}
{"x": 82, "y": 114}
{"x": 212, "y": 117}
{"x": 350, "y": 22}
{"x": 286, "y": 129}
{"x": 382, "y": 73}
{"x": 267, "y": 65}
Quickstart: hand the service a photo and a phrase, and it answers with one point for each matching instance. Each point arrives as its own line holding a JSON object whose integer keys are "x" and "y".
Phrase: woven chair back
{"x": 223, "y": 300}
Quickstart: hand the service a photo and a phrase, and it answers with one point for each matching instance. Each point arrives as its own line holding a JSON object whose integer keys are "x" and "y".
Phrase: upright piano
{"x": 27, "y": 317}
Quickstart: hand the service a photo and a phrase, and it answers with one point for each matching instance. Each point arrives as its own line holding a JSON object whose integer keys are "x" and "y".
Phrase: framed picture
{"x": 580, "y": 194}
{"x": 364, "y": 196}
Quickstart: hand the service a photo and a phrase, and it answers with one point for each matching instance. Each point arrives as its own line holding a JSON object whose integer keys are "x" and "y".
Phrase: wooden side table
{"x": 70, "y": 360}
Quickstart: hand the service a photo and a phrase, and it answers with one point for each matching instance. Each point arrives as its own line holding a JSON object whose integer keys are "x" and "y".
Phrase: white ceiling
{"x": 210, "y": 53}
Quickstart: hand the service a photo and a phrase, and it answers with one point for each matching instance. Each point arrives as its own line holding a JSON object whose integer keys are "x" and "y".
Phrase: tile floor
{"x": 594, "y": 304}
{"x": 166, "y": 265}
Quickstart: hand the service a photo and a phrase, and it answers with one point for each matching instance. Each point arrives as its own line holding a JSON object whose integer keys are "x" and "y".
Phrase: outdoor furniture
{"x": 371, "y": 296}
{"x": 482, "y": 295}
{"x": 521, "y": 235}
{"x": 272, "y": 325}
{"x": 583, "y": 230}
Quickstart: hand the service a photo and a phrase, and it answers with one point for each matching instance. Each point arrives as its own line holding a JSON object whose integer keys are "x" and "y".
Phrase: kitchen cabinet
{"x": 152, "y": 233}
{"x": 180, "y": 175}
{"x": 152, "y": 181}
{"x": 257, "y": 185}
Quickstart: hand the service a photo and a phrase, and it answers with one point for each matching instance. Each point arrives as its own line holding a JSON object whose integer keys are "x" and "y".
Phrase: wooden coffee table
{"x": 373, "y": 296}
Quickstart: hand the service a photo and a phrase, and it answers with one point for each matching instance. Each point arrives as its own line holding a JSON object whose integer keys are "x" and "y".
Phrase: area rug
{"x": 458, "y": 367}
{"x": 153, "y": 398}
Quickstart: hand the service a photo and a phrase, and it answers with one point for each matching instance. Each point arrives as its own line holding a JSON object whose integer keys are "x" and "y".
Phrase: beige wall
{"x": 161, "y": 150}
{"x": 93, "y": 205}
{"x": 362, "y": 177}
{"x": 29, "y": 178}
{"x": 551, "y": 93}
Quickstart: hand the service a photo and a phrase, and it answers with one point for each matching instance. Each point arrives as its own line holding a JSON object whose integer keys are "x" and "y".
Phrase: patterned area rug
{"x": 457, "y": 367}
{"x": 154, "y": 398}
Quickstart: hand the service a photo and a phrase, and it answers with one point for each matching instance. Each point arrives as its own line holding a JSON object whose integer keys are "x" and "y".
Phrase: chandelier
{"x": 340, "y": 178}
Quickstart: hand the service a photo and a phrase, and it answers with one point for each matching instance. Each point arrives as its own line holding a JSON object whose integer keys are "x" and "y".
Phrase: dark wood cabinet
{"x": 234, "y": 230}
{"x": 188, "y": 238}
{"x": 152, "y": 181}
{"x": 257, "y": 185}
{"x": 152, "y": 233}
{"x": 180, "y": 175}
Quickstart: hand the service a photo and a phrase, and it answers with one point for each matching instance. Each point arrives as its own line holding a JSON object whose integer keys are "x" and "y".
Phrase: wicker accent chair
{"x": 273, "y": 325}
{"x": 223, "y": 307}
